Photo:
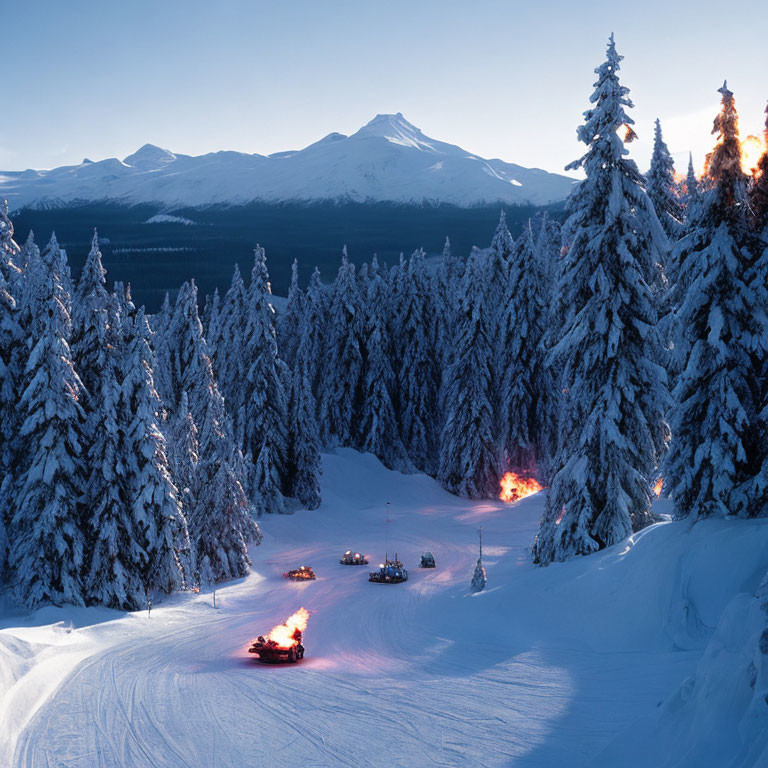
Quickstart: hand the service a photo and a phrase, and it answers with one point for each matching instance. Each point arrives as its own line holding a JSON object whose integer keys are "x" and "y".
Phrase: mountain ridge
{"x": 387, "y": 160}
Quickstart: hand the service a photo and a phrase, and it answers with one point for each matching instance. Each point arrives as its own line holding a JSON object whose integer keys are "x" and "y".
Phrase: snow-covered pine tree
{"x": 230, "y": 365}
{"x": 313, "y": 325}
{"x": 341, "y": 397}
{"x": 89, "y": 323}
{"x": 379, "y": 428}
{"x": 219, "y": 467}
{"x": 211, "y": 310}
{"x": 112, "y": 574}
{"x": 549, "y": 237}
{"x": 721, "y": 326}
{"x": 46, "y": 541}
{"x": 11, "y": 342}
{"x": 183, "y": 455}
{"x": 417, "y": 374}
{"x": 31, "y": 281}
{"x": 160, "y": 323}
{"x": 11, "y": 354}
{"x": 160, "y": 537}
{"x": 611, "y": 430}
{"x": 268, "y": 497}
{"x": 661, "y": 187}
{"x": 497, "y": 265}
{"x": 55, "y": 258}
{"x": 691, "y": 187}
{"x": 289, "y": 322}
{"x": 304, "y": 462}
{"x": 479, "y": 578}
{"x": 468, "y": 453}
{"x": 449, "y": 275}
{"x": 265, "y": 406}
{"x": 526, "y": 398}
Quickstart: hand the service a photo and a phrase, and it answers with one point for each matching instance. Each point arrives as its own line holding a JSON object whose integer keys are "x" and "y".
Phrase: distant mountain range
{"x": 387, "y": 160}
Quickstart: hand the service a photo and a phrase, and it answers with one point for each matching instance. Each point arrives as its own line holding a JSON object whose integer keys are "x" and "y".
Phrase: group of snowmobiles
{"x": 389, "y": 572}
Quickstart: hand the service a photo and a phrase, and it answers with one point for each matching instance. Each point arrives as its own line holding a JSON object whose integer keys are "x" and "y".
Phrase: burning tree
{"x": 758, "y": 196}
{"x": 715, "y": 462}
{"x": 612, "y": 430}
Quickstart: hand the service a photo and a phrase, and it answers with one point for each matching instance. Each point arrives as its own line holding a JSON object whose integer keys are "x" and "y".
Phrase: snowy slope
{"x": 386, "y": 160}
{"x": 543, "y": 669}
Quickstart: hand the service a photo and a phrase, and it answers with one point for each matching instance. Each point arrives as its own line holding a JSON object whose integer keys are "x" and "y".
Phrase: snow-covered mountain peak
{"x": 388, "y": 160}
{"x": 150, "y": 158}
{"x": 397, "y": 130}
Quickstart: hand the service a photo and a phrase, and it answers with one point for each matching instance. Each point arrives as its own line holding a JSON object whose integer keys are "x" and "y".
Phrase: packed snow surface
{"x": 546, "y": 667}
{"x": 386, "y": 160}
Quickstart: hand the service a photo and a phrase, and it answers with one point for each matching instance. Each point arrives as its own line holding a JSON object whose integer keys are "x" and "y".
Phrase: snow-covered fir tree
{"x": 526, "y": 392}
{"x": 468, "y": 452}
{"x": 11, "y": 355}
{"x": 46, "y": 540}
{"x": 55, "y": 258}
{"x": 720, "y": 326}
{"x": 497, "y": 264}
{"x": 343, "y": 371}
{"x": 89, "y": 322}
{"x": 113, "y": 567}
{"x": 691, "y": 187}
{"x": 160, "y": 323}
{"x": 379, "y": 427}
{"x": 611, "y": 431}
{"x": 183, "y": 454}
{"x": 449, "y": 275}
{"x": 417, "y": 375}
{"x": 210, "y": 314}
{"x": 160, "y": 538}
{"x": 267, "y": 482}
{"x": 304, "y": 464}
{"x": 229, "y": 363}
{"x": 289, "y": 322}
{"x": 265, "y": 407}
{"x": 313, "y": 325}
{"x": 661, "y": 187}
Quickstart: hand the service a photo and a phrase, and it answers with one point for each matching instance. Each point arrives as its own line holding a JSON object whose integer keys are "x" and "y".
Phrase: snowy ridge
{"x": 387, "y": 160}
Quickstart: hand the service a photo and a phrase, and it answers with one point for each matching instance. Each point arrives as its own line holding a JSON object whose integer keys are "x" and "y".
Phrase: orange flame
{"x": 659, "y": 486}
{"x": 752, "y": 149}
{"x": 283, "y": 634}
{"x": 515, "y": 487}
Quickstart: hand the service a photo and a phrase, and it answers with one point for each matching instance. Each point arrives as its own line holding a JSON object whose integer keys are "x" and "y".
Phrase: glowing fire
{"x": 659, "y": 486}
{"x": 752, "y": 149}
{"x": 283, "y": 634}
{"x": 515, "y": 487}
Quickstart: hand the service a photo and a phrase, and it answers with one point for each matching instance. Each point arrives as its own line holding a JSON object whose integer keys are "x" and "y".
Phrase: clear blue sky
{"x": 502, "y": 79}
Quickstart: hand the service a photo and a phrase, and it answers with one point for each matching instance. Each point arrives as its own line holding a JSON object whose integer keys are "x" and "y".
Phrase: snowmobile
{"x": 390, "y": 572}
{"x": 427, "y": 560}
{"x": 303, "y": 573}
{"x": 353, "y": 558}
{"x": 269, "y": 652}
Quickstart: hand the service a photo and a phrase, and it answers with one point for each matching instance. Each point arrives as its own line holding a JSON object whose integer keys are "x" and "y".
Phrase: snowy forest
{"x": 617, "y": 356}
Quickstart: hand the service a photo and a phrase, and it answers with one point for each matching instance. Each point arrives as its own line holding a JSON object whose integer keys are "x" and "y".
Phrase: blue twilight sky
{"x": 500, "y": 78}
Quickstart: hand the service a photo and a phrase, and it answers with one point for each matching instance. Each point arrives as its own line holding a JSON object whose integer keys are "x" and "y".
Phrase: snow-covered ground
{"x": 565, "y": 665}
